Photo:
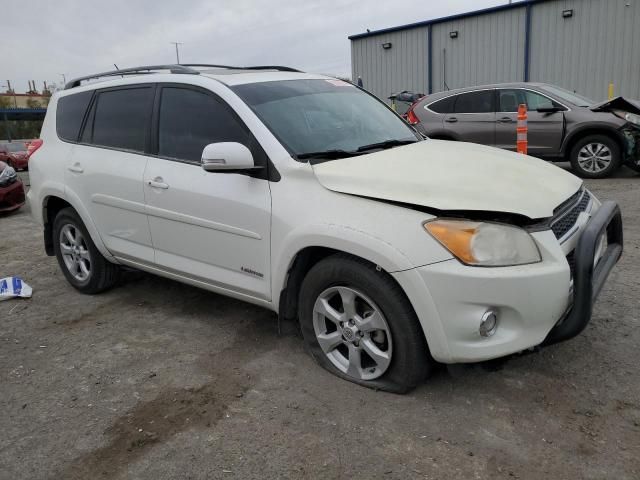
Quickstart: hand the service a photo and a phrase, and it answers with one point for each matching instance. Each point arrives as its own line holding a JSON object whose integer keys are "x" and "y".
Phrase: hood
{"x": 618, "y": 103}
{"x": 450, "y": 176}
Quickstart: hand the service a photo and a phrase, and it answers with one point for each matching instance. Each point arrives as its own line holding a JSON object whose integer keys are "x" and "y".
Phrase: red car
{"x": 15, "y": 154}
{"x": 11, "y": 189}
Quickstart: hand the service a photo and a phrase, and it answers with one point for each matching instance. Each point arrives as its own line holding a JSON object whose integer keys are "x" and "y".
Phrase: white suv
{"x": 308, "y": 196}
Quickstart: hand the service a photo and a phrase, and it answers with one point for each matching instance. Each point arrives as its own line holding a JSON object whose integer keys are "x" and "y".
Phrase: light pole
{"x": 177, "y": 53}
{"x": 64, "y": 78}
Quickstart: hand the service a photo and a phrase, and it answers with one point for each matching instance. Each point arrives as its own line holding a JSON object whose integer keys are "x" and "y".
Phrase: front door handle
{"x": 451, "y": 120}
{"x": 158, "y": 183}
{"x": 505, "y": 120}
{"x": 76, "y": 168}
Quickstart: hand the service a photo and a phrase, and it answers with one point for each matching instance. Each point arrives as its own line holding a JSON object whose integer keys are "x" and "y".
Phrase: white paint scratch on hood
{"x": 453, "y": 176}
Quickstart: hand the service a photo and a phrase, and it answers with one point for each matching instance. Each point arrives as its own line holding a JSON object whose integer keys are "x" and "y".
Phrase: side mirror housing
{"x": 225, "y": 156}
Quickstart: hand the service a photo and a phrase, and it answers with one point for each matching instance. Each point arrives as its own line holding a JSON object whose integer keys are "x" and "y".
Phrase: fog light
{"x": 489, "y": 323}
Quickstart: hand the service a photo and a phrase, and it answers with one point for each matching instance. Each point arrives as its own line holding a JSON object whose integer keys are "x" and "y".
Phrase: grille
{"x": 561, "y": 224}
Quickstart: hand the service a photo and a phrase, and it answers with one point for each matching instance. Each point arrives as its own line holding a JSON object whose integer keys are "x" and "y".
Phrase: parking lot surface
{"x": 159, "y": 380}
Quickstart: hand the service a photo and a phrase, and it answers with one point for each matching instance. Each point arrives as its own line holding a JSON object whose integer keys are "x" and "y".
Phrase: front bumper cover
{"x": 589, "y": 279}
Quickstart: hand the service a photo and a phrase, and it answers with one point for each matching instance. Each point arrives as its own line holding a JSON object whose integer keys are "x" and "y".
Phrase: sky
{"x": 43, "y": 39}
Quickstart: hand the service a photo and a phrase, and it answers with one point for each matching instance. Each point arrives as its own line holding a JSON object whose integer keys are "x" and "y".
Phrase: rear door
{"x": 210, "y": 226}
{"x": 105, "y": 169}
{"x": 545, "y": 130}
{"x": 473, "y": 117}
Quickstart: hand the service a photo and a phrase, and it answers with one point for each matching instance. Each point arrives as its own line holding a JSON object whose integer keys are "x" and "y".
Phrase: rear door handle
{"x": 451, "y": 120}
{"x": 76, "y": 168}
{"x": 505, "y": 120}
{"x": 158, "y": 183}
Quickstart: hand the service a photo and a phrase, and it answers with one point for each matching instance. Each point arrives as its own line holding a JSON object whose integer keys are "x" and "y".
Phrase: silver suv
{"x": 563, "y": 126}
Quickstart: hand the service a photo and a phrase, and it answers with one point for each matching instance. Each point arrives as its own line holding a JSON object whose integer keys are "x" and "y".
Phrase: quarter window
{"x": 190, "y": 120}
{"x": 121, "y": 119}
{"x": 69, "y": 114}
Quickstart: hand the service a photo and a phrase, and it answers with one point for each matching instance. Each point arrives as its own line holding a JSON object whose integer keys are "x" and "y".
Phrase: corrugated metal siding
{"x": 584, "y": 53}
{"x": 489, "y": 49}
{"x": 402, "y": 67}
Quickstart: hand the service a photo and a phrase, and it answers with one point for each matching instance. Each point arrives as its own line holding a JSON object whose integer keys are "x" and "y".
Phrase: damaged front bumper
{"x": 631, "y": 156}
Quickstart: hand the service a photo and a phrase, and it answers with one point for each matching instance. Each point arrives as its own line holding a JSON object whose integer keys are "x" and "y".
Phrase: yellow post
{"x": 610, "y": 90}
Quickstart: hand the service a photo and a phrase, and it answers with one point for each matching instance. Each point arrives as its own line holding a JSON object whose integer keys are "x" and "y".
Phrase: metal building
{"x": 581, "y": 45}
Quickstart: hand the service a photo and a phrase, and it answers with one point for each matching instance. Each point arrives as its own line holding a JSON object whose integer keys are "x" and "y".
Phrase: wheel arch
{"x": 51, "y": 205}
{"x": 586, "y": 131}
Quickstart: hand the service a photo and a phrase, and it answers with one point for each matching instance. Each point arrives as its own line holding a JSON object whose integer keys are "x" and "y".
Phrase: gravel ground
{"x": 159, "y": 380}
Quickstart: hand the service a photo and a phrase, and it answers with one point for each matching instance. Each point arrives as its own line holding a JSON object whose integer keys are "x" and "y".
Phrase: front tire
{"x": 82, "y": 264}
{"x": 595, "y": 156}
{"x": 359, "y": 325}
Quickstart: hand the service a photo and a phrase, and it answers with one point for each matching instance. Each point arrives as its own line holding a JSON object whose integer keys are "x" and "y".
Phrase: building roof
{"x": 434, "y": 21}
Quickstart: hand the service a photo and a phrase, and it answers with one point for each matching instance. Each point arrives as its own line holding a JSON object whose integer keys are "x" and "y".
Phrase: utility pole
{"x": 177, "y": 53}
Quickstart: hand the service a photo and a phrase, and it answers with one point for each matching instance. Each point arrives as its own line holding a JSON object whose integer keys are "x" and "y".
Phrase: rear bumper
{"x": 589, "y": 279}
{"x": 12, "y": 197}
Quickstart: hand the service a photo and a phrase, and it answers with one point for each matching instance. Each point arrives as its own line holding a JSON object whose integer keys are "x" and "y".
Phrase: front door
{"x": 213, "y": 227}
{"x": 473, "y": 118}
{"x": 545, "y": 130}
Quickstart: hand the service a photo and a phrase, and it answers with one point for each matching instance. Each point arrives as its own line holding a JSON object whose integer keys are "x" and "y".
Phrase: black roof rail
{"x": 133, "y": 71}
{"x": 258, "y": 67}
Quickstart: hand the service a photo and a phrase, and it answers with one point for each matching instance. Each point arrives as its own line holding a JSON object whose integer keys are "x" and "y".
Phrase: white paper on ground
{"x": 12, "y": 287}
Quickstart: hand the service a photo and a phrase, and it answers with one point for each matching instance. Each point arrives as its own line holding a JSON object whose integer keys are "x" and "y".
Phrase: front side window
{"x": 475, "y": 102}
{"x": 190, "y": 120}
{"x": 329, "y": 117}
{"x": 509, "y": 100}
{"x": 121, "y": 118}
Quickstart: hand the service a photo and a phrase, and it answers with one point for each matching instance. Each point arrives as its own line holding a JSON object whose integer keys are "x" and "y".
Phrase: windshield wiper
{"x": 384, "y": 145}
{"x": 328, "y": 154}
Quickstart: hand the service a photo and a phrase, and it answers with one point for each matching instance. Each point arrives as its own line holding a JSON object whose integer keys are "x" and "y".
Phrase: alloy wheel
{"x": 352, "y": 332}
{"x": 75, "y": 252}
{"x": 594, "y": 157}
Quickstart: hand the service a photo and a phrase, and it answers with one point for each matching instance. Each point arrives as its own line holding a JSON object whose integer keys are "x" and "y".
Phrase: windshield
{"x": 312, "y": 117}
{"x": 568, "y": 96}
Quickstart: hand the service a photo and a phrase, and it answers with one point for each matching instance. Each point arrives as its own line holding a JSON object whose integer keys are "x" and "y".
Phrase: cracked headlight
{"x": 485, "y": 244}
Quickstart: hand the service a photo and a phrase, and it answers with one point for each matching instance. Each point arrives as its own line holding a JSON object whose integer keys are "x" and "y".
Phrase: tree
{"x": 5, "y": 102}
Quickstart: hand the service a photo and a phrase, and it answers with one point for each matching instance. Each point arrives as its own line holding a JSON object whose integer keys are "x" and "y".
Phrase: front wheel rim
{"x": 594, "y": 157}
{"x": 352, "y": 332}
{"x": 75, "y": 252}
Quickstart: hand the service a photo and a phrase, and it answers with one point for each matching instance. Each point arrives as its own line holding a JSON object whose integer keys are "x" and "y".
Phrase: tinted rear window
{"x": 445, "y": 105}
{"x": 475, "y": 102}
{"x": 69, "y": 115}
{"x": 121, "y": 118}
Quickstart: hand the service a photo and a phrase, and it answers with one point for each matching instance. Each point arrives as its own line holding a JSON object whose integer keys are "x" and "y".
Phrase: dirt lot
{"x": 159, "y": 380}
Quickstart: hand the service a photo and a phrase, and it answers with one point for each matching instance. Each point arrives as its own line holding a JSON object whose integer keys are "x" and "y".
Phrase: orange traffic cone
{"x": 521, "y": 129}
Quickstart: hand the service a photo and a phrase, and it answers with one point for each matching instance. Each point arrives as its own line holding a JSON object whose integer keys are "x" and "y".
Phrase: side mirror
{"x": 223, "y": 156}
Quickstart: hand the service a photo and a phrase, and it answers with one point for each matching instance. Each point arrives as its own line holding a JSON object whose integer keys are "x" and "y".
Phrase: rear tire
{"x": 595, "y": 156}
{"x": 371, "y": 335}
{"x": 82, "y": 264}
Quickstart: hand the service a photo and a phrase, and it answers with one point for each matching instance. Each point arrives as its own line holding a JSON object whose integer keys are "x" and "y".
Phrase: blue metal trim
{"x": 430, "y": 59}
{"x": 527, "y": 42}
{"x": 500, "y": 8}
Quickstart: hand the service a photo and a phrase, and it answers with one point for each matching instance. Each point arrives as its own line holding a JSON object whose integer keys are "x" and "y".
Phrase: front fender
{"x": 337, "y": 237}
